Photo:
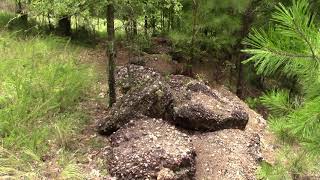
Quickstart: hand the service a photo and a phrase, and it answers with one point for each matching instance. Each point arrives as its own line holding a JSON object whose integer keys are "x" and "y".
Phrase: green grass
{"x": 5, "y": 17}
{"x": 41, "y": 85}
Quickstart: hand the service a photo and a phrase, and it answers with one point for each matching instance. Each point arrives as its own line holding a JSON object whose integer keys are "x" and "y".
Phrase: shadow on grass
{"x": 19, "y": 29}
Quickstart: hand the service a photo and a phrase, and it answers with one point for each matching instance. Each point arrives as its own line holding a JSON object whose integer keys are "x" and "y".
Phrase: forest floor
{"x": 60, "y": 89}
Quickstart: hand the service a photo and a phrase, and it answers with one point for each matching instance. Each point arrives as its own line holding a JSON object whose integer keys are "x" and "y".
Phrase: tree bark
{"x": 193, "y": 38}
{"x": 135, "y": 27}
{"x": 111, "y": 53}
{"x": 50, "y": 26}
{"x": 247, "y": 20}
{"x": 154, "y": 25}
{"x": 146, "y": 25}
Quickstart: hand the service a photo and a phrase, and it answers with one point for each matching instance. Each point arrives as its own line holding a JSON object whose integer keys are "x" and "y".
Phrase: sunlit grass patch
{"x": 41, "y": 85}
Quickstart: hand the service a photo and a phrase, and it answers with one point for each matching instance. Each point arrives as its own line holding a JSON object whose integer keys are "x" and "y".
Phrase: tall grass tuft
{"x": 41, "y": 84}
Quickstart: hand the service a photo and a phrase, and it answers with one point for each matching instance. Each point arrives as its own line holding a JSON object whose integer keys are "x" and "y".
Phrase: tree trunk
{"x": 146, "y": 25}
{"x": 49, "y": 22}
{"x": 64, "y": 25}
{"x": 162, "y": 20}
{"x": 111, "y": 53}
{"x": 194, "y": 32}
{"x": 154, "y": 25}
{"x": 247, "y": 21}
{"x": 172, "y": 25}
{"x": 239, "y": 68}
{"x": 135, "y": 27}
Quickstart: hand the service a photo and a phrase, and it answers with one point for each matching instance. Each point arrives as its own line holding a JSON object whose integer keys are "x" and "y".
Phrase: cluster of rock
{"x": 175, "y": 127}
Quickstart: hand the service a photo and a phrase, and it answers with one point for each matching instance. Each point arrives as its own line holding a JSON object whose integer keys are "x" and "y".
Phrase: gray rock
{"x": 151, "y": 148}
{"x": 226, "y": 144}
{"x": 227, "y": 154}
{"x": 183, "y": 101}
{"x": 152, "y": 101}
{"x": 198, "y": 107}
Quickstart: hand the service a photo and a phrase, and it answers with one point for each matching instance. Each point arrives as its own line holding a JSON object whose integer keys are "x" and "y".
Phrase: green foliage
{"x": 278, "y": 102}
{"x": 252, "y": 102}
{"x": 41, "y": 85}
{"x": 289, "y": 165}
{"x": 72, "y": 171}
{"x": 5, "y": 17}
{"x": 217, "y": 23}
{"x": 291, "y": 48}
{"x": 288, "y": 47}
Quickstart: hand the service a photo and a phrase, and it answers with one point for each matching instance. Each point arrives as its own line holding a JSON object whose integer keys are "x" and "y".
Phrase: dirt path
{"x": 91, "y": 147}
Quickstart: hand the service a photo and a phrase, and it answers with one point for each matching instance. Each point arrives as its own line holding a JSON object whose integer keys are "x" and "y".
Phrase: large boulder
{"x": 198, "y": 107}
{"x": 147, "y": 148}
{"x": 183, "y": 101}
{"x": 152, "y": 101}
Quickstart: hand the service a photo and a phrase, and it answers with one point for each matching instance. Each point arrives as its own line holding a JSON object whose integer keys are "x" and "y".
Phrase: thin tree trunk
{"x": 146, "y": 25}
{"x": 135, "y": 27}
{"x": 162, "y": 21}
{"x": 154, "y": 25}
{"x": 49, "y": 22}
{"x": 77, "y": 23}
{"x": 168, "y": 21}
{"x": 247, "y": 21}
{"x": 172, "y": 16}
{"x": 98, "y": 23}
{"x": 194, "y": 32}
{"x": 111, "y": 53}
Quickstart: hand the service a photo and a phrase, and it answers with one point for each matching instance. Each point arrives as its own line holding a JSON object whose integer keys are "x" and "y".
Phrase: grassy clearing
{"x": 41, "y": 86}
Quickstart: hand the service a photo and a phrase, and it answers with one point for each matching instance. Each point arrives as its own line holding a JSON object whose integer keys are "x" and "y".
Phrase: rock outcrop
{"x": 174, "y": 127}
{"x": 183, "y": 101}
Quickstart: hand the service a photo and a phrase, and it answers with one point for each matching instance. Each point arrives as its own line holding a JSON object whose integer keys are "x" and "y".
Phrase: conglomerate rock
{"x": 151, "y": 148}
{"x": 227, "y": 154}
{"x": 183, "y": 101}
{"x": 197, "y": 107}
{"x": 151, "y": 101}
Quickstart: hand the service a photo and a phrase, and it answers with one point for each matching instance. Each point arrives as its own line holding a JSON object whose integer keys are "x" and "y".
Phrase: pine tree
{"x": 290, "y": 48}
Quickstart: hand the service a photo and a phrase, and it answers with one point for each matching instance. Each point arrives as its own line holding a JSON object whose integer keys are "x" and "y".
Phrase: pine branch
{"x": 298, "y": 30}
{"x": 289, "y": 54}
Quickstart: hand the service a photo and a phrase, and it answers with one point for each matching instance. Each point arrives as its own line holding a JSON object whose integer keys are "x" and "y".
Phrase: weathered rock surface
{"x": 151, "y": 148}
{"x": 226, "y": 154}
{"x": 151, "y": 101}
{"x": 175, "y": 127}
{"x": 197, "y": 107}
{"x": 140, "y": 92}
{"x": 183, "y": 101}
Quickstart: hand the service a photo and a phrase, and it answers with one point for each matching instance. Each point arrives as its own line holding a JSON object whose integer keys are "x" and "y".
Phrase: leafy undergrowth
{"x": 44, "y": 92}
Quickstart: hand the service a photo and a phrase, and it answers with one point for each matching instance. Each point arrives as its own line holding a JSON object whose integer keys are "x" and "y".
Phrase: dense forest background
{"x": 265, "y": 51}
